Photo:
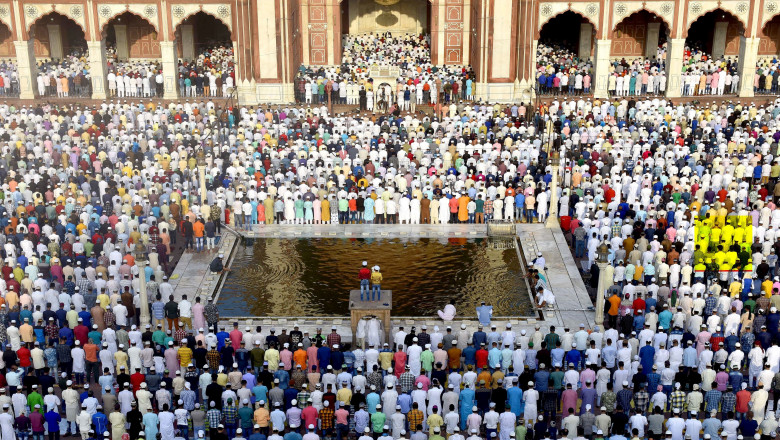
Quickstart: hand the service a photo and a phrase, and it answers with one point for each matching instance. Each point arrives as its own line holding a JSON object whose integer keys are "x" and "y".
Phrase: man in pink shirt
{"x": 342, "y": 424}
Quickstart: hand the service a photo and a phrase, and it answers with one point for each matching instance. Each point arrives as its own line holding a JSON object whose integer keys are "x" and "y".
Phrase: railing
{"x": 384, "y": 71}
{"x": 501, "y": 228}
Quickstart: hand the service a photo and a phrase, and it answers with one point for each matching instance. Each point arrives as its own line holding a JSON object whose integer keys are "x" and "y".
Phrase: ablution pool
{"x": 313, "y": 276}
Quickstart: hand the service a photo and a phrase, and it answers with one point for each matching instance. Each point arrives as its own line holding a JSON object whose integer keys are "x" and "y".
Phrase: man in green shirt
{"x": 378, "y": 420}
{"x": 480, "y": 211}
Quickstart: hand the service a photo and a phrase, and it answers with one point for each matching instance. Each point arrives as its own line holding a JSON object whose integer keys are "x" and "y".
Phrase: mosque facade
{"x": 499, "y": 38}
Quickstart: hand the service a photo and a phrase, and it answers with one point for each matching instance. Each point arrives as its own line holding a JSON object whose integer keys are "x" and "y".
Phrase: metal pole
{"x": 202, "y": 181}
{"x": 600, "y": 293}
{"x": 145, "y": 319}
{"x": 552, "y": 216}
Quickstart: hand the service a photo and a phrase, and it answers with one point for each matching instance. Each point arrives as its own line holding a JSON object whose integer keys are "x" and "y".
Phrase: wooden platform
{"x": 381, "y": 309}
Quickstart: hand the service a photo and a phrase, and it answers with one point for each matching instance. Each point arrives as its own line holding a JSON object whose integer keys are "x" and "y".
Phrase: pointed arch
{"x": 712, "y": 13}
{"x": 702, "y": 32}
{"x": 119, "y": 14}
{"x": 71, "y": 37}
{"x": 552, "y": 18}
{"x": 655, "y": 16}
{"x": 228, "y": 26}
{"x": 632, "y": 36}
{"x": 769, "y": 37}
{"x": 55, "y": 15}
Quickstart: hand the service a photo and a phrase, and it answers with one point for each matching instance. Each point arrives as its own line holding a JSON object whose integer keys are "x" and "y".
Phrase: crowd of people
{"x": 679, "y": 198}
{"x": 9, "y": 78}
{"x": 688, "y": 349}
{"x": 211, "y": 74}
{"x": 767, "y": 76}
{"x": 66, "y": 77}
{"x": 133, "y": 78}
{"x": 559, "y": 71}
{"x": 703, "y": 75}
{"x": 407, "y": 56}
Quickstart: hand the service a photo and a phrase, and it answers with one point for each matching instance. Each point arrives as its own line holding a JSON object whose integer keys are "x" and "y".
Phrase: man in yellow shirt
{"x": 376, "y": 282}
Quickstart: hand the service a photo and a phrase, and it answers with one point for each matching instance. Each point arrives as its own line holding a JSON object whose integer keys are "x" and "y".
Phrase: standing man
{"x": 363, "y": 276}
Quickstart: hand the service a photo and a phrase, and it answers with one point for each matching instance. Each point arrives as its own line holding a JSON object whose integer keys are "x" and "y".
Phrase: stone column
{"x": 586, "y": 39}
{"x": 144, "y": 298}
{"x": 170, "y": 69}
{"x": 28, "y": 71}
{"x": 202, "y": 182}
{"x": 55, "y": 41}
{"x": 122, "y": 48}
{"x": 98, "y": 68}
{"x": 601, "y": 76}
{"x": 719, "y": 39}
{"x": 552, "y": 217}
{"x": 748, "y": 56}
{"x": 601, "y": 293}
{"x": 187, "y": 42}
{"x": 674, "y": 65}
{"x": 651, "y": 42}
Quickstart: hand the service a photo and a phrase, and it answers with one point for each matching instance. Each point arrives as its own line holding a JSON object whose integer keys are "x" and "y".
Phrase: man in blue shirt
{"x": 484, "y": 314}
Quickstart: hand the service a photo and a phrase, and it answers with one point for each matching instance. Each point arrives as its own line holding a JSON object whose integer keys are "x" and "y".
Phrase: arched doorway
{"x": 568, "y": 31}
{"x": 715, "y": 34}
{"x": 367, "y": 24}
{"x": 769, "y": 38}
{"x": 60, "y": 49}
{"x": 130, "y": 37}
{"x": 565, "y": 42}
{"x": 384, "y": 97}
{"x": 767, "y": 65}
{"x": 8, "y": 68}
{"x": 206, "y": 59}
{"x": 133, "y": 57}
{"x": 397, "y": 17}
{"x": 640, "y": 35}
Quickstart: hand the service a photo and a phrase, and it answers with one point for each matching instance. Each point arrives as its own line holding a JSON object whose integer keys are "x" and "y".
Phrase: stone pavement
{"x": 364, "y": 230}
{"x": 192, "y": 276}
{"x": 573, "y": 303}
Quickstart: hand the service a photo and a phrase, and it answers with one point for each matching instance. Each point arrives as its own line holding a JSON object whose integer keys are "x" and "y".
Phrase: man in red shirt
{"x": 482, "y": 357}
{"x": 363, "y": 275}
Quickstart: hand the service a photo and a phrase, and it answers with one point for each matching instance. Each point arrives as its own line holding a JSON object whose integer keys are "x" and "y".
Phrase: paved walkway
{"x": 192, "y": 276}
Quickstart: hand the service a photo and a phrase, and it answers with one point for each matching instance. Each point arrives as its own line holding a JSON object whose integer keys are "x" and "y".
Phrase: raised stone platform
{"x": 380, "y": 309}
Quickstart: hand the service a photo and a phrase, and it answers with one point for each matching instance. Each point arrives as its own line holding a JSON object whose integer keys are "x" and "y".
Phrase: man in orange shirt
{"x": 198, "y": 230}
{"x": 614, "y": 308}
{"x": 91, "y": 357}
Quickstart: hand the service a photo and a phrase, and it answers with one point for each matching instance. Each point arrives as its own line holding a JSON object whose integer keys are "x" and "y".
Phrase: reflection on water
{"x": 294, "y": 277}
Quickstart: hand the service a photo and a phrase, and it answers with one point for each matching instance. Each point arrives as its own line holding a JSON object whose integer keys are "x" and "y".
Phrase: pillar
{"x": 170, "y": 69}
{"x": 28, "y": 72}
{"x": 601, "y": 75}
{"x": 601, "y": 293}
{"x": 748, "y": 56}
{"x": 202, "y": 182}
{"x": 122, "y": 47}
{"x": 55, "y": 41}
{"x": 674, "y": 66}
{"x": 187, "y": 42}
{"x": 586, "y": 39}
{"x": 651, "y": 41}
{"x": 719, "y": 39}
{"x": 552, "y": 217}
{"x": 98, "y": 68}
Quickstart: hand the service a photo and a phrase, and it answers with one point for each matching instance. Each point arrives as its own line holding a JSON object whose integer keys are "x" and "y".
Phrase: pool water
{"x": 313, "y": 277}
